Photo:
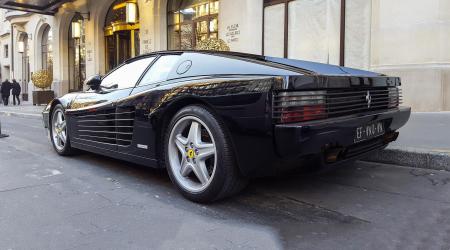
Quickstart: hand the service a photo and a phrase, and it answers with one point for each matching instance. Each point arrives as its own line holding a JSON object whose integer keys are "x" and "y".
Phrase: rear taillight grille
{"x": 301, "y": 106}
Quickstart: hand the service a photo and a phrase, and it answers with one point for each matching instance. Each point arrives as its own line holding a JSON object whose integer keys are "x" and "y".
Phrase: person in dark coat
{"x": 5, "y": 90}
{"x": 16, "y": 89}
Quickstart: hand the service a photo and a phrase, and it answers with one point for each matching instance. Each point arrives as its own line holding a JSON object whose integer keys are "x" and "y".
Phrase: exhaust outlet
{"x": 333, "y": 155}
{"x": 391, "y": 137}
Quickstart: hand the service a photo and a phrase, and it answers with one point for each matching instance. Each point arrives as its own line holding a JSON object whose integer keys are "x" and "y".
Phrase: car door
{"x": 143, "y": 97}
{"x": 95, "y": 119}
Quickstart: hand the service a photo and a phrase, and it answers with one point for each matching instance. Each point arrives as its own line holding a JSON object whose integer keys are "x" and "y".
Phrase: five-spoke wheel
{"x": 199, "y": 157}
{"x": 192, "y": 153}
{"x": 58, "y": 132}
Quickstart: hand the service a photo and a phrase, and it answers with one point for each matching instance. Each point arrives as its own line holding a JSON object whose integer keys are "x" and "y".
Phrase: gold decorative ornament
{"x": 42, "y": 79}
{"x": 212, "y": 44}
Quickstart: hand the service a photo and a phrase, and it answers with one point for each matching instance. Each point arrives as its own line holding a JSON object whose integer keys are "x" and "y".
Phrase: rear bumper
{"x": 296, "y": 141}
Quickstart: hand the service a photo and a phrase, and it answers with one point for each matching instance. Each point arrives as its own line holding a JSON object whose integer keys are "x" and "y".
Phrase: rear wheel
{"x": 58, "y": 132}
{"x": 199, "y": 158}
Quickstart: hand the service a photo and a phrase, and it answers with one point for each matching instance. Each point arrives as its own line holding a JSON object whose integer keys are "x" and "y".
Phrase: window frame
{"x": 268, "y": 3}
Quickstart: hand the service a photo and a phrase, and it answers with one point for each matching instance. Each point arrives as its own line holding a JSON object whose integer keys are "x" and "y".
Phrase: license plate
{"x": 369, "y": 131}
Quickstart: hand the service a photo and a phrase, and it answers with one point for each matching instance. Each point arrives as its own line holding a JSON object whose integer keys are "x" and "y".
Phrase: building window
{"x": 5, "y": 51}
{"x": 47, "y": 49}
{"x": 191, "y": 21}
{"x": 77, "y": 53}
{"x": 305, "y": 29}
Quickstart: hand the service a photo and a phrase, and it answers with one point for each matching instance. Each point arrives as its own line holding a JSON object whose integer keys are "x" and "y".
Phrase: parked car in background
{"x": 217, "y": 119}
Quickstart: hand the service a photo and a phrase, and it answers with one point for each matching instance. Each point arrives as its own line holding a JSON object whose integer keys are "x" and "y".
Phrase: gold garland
{"x": 212, "y": 44}
{"x": 42, "y": 79}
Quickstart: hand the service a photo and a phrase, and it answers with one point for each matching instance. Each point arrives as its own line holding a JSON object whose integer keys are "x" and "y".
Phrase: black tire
{"x": 226, "y": 179}
{"x": 67, "y": 149}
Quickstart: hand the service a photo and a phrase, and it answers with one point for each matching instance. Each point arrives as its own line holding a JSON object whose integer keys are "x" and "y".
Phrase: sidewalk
{"x": 423, "y": 143}
{"x": 426, "y": 131}
{"x": 25, "y": 109}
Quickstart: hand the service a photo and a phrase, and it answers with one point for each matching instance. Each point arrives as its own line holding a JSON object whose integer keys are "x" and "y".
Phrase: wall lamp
{"x": 76, "y": 29}
{"x": 21, "y": 47}
{"x": 131, "y": 12}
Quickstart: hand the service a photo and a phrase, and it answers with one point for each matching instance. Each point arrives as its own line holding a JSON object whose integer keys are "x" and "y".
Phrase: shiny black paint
{"x": 237, "y": 88}
{"x": 309, "y": 138}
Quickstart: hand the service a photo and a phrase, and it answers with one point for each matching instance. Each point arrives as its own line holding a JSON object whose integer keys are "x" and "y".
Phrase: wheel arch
{"x": 169, "y": 112}
{"x": 52, "y": 108}
{"x": 64, "y": 101}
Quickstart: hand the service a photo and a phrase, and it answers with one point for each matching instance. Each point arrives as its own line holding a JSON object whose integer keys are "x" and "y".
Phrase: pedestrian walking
{"x": 16, "y": 89}
{"x": 5, "y": 90}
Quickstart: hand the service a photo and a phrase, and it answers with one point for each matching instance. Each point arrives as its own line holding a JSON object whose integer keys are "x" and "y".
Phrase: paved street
{"x": 93, "y": 202}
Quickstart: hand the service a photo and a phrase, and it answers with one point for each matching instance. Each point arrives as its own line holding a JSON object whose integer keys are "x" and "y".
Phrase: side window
{"x": 127, "y": 75}
{"x": 160, "y": 70}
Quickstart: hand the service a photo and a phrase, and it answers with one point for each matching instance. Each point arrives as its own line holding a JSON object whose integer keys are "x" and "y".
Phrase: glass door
{"x": 121, "y": 46}
{"x": 121, "y": 33}
{"x": 124, "y": 46}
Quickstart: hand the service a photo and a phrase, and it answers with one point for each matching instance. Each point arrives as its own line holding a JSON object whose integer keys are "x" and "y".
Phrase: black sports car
{"x": 216, "y": 119}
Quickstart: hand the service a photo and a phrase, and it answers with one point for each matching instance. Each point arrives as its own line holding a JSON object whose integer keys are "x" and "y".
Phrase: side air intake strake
{"x": 105, "y": 127}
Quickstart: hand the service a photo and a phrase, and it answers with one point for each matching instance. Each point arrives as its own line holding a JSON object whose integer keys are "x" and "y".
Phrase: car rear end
{"x": 336, "y": 119}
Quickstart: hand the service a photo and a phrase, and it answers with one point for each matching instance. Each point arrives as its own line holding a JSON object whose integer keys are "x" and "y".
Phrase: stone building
{"x": 79, "y": 38}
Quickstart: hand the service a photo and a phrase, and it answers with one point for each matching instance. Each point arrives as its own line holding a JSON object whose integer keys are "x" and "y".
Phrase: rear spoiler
{"x": 321, "y": 68}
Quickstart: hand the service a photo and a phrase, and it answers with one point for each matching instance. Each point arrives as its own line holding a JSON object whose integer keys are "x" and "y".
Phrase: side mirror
{"x": 94, "y": 82}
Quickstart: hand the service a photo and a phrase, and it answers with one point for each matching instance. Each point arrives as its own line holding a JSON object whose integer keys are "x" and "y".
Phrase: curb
{"x": 408, "y": 157}
{"x": 412, "y": 157}
{"x": 22, "y": 115}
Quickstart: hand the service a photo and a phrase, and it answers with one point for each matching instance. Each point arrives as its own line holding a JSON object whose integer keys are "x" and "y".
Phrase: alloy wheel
{"x": 192, "y": 154}
{"x": 59, "y": 130}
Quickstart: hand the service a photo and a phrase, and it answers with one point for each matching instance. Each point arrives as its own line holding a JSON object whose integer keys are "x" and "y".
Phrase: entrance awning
{"x": 46, "y": 7}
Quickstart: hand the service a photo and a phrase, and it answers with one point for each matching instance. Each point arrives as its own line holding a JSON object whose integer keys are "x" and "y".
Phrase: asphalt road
{"x": 93, "y": 202}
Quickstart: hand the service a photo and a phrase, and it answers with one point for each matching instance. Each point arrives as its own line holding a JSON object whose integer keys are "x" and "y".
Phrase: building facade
{"x": 79, "y": 38}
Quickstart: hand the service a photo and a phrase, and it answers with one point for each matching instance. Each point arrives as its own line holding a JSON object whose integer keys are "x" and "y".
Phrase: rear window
{"x": 203, "y": 64}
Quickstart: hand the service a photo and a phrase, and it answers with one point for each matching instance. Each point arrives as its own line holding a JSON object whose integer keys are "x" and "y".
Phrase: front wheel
{"x": 58, "y": 132}
{"x": 199, "y": 157}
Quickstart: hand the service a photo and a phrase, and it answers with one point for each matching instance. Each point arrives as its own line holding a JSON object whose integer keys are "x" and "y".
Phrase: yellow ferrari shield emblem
{"x": 191, "y": 153}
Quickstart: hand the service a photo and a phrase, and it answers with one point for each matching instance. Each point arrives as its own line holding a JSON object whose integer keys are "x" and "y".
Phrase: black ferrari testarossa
{"x": 216, "y": 119}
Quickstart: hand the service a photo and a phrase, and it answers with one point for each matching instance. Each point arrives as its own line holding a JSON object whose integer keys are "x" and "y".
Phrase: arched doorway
{"x": 191, "y": 21}
{"x": 121, "y": 32}
{"x": 77, "y": 53}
